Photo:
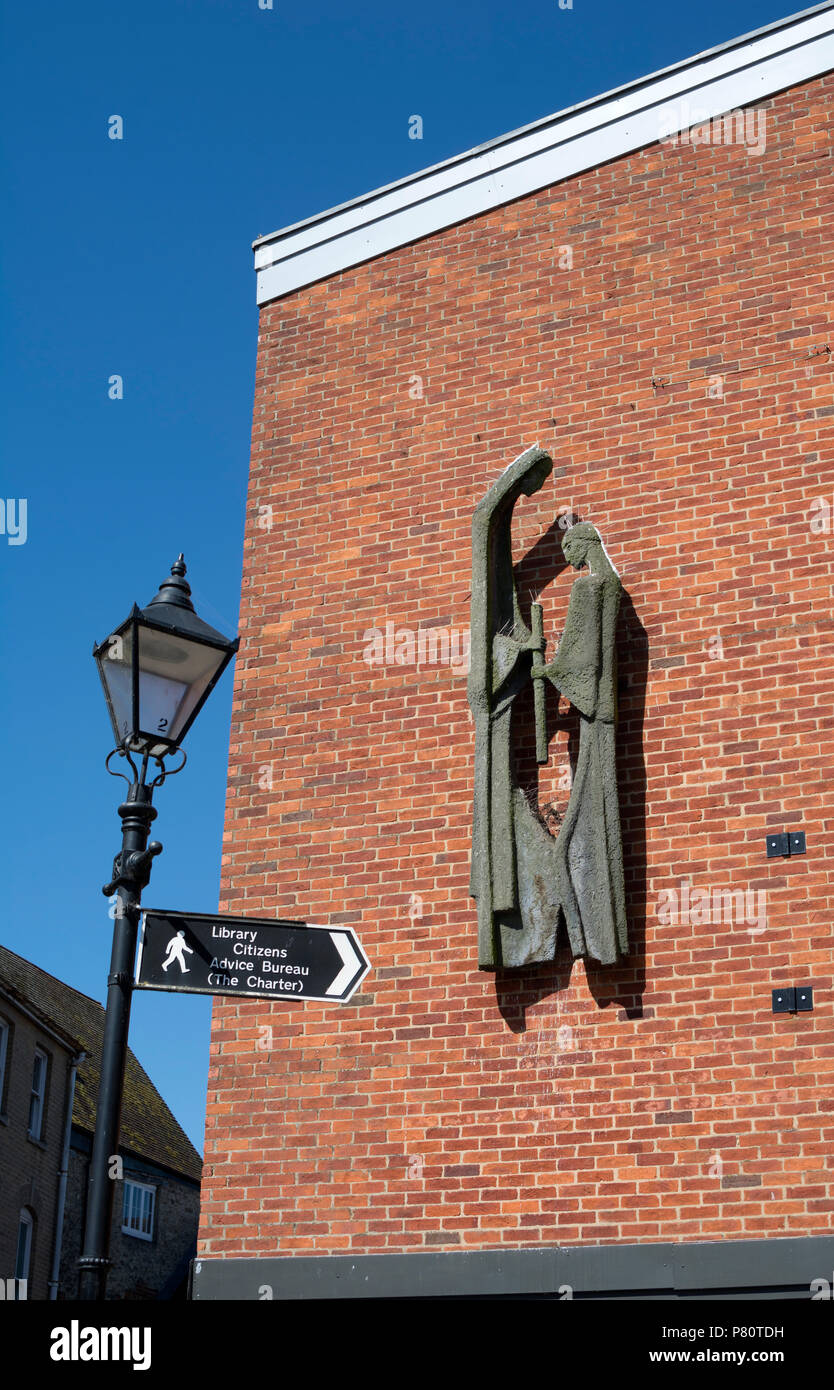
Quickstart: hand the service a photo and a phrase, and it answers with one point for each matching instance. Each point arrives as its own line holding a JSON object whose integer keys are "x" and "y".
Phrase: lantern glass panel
{"x": 174, "y": 674}
{"x": 116, "y": 669}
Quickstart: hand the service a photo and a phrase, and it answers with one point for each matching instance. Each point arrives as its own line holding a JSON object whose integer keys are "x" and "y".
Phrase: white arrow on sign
{"x": 350, "y": 962}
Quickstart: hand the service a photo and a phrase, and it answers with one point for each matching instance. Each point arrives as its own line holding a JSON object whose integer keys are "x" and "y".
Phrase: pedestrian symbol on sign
{"x": 175, "y": 949}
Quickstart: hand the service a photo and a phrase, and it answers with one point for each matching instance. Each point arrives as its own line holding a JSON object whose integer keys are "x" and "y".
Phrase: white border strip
{"x": 580, "y": 138}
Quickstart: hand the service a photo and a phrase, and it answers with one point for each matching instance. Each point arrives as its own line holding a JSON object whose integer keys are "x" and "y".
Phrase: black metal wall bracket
{"x": 784, "y": 845}
{"x": 798, "y": 999}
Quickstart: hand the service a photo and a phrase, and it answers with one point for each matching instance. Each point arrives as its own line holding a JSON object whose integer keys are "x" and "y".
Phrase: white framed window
{"x": 5, "y": 1035}
{"x": 37, "y": 1100}
{"x": 24, "y": 1244}
{"x": 138, "y": 1209}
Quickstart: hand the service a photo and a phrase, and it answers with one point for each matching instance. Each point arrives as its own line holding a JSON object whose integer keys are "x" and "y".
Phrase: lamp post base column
{"x": 131, "y": 872}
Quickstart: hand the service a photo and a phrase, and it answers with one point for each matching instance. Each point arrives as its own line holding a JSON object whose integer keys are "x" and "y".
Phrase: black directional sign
{"x": 262, "y": 958}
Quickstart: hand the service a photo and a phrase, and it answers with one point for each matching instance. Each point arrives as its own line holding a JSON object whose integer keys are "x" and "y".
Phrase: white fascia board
{"x": 583, "y": 137}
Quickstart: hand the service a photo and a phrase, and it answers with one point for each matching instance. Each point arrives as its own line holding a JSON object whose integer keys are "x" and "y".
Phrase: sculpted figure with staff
{"x": 526, "y": 880}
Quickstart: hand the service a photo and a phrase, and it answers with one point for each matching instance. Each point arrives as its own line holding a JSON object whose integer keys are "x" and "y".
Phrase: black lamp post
{"x": 157, "y": 669}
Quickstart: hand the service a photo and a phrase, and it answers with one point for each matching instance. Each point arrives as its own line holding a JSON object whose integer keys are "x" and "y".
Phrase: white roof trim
{"x": 723, "y": 79}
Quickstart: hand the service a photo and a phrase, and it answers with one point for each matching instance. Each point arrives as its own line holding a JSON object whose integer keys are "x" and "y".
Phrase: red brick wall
{"x": 444, "y": 1107}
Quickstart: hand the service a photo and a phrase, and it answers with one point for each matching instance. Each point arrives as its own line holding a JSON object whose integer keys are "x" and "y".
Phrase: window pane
{"x": 36, "y": 1098}
{"x": 24, "y": 1246}
{"x": 138, "y": 1209}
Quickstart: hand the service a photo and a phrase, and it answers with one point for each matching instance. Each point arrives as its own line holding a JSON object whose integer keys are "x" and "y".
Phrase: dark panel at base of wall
{"x": 745, "y": 1269}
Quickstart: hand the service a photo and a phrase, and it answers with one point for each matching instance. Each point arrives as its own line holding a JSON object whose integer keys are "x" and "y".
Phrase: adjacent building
{"x": 50, "y": 1050}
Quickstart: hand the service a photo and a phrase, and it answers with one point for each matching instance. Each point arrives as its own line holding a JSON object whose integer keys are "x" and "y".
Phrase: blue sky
{"x": 133, "y": 257}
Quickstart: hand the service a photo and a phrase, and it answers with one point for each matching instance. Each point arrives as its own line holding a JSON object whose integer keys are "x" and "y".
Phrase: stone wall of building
{"x": 141, "y": 1269}
{"x": 29, "y": 1168}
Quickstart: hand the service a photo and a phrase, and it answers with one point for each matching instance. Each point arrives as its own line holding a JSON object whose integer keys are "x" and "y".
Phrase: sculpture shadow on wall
{"x": 621, "y": 985}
